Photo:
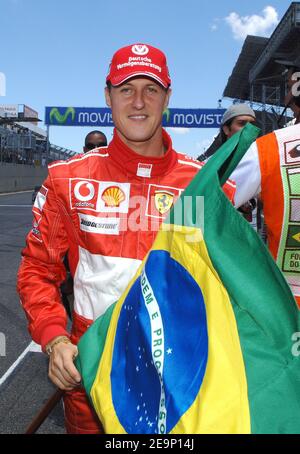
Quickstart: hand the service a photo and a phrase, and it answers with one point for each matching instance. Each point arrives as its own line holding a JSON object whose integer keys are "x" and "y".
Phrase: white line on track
{"x": 11, "y": 193}
{"x": 32, "y": 347}
{"x": 16, "y": 206}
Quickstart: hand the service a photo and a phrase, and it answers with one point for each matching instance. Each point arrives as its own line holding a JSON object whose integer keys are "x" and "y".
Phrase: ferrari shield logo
{"x": 163, "y": 201}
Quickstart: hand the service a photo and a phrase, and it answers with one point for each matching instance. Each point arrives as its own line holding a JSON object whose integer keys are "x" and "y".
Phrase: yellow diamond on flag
{"x": 297, "y": 237}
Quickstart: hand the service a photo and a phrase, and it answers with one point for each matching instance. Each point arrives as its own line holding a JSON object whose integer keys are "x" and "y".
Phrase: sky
{"x": 57, "y": 52}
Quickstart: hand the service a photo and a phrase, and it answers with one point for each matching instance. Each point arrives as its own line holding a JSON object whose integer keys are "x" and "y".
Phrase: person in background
{"x": 94, "y": 139}
{"x": 234, "y": 119}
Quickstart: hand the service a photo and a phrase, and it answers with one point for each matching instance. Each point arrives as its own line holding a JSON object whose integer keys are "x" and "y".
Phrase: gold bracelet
{"x": 57, "y": 340}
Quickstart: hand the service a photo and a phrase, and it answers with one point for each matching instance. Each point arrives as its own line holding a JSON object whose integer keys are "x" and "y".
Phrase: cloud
{"x": 263, "y": 25}
{"x": 180, "y": 131}
{"x": 215, "y": 25}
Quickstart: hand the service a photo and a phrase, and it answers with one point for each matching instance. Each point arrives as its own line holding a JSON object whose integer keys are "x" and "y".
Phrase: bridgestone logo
{"x": 93, "y": 224}
{"x": 98, "y": 225}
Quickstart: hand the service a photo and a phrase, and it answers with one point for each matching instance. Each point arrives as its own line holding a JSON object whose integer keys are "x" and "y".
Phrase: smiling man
{"x": 105, "y": 208}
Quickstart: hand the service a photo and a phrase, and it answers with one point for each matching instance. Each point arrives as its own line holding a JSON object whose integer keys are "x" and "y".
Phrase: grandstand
{"x": 23, "y": 142}
{"x": 259, "y": 76}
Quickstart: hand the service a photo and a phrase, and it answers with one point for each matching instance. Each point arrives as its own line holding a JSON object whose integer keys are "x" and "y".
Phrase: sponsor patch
{"x": 35, "y": 226}
{"x": 144, "y": 170}
{"x": 160, "y": 200}
{"x": 163, "y": 201}
{"x": 113, "y": 197}
{"x": 41, "y": 198}
{"x": 84, "y": 193}
{"x": 93, "y": 224}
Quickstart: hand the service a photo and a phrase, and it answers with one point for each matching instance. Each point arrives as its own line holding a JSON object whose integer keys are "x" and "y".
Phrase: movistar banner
{"x": 101, "y": 116}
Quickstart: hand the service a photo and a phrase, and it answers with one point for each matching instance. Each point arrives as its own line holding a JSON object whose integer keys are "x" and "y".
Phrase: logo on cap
{"x": 140, "y": 49}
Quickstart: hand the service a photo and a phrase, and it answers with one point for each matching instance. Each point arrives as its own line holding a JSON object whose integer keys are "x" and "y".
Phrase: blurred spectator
{"x": 94, "y": 139}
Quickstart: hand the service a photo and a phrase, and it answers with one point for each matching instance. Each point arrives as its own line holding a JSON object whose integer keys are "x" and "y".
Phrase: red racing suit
{"x": 104, "y": 208}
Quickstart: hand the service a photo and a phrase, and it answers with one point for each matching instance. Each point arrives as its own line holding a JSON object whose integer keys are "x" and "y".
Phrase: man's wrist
{"x": 55, "y": 341}
{"x": 48, "y": 332}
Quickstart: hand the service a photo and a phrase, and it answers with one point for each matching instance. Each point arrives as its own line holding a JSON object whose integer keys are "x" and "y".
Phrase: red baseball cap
{"x": 138, "y": 60}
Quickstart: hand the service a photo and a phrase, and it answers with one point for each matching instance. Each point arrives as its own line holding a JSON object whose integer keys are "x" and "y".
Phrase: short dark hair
{"x": 228, "y": 124}
{"x": 86, "y": 141}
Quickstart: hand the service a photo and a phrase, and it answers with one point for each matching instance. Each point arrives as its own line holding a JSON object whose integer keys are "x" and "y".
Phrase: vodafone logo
{"x": 84, "y": 191}
{"x": 140, "y": 49}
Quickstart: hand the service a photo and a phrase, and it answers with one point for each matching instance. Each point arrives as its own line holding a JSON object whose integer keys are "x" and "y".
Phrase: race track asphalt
{"x": 24, "y": 388}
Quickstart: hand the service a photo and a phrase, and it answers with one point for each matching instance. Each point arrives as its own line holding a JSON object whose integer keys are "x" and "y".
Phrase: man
{"x": 272, "y": 167}
{"x": 94, "y": 139}
{"x": 105, "y": 208}
{"x": 235, "y": 118}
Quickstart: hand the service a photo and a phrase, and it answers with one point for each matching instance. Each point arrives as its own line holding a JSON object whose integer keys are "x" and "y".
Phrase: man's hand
{"x": 62, "y": 371}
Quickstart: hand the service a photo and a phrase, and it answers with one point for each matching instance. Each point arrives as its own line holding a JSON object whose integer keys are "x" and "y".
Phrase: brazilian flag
{"x": 201, "y": 340}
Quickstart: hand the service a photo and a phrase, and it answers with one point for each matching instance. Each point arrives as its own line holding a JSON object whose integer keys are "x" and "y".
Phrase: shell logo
{"x": 113, "y": 196}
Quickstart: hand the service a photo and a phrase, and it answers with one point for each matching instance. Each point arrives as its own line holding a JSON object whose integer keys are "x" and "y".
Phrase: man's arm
{"x": 247, "y": 177}
{"x": 40, "y": 276}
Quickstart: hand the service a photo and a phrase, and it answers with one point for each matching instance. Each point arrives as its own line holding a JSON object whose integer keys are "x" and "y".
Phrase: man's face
{"x": 237, "y": 124}
{"x": 137, "y": 108}
{"x": 94, "y": 140}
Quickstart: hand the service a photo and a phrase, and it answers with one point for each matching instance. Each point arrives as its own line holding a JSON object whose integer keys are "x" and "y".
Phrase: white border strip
{"x": 18, "y": 206}
{"x": 67, "y": 163}
{"x": 192, "y": 164}
{"x": 157, "y": 330}
{"x": 32, "y": 347}
{"x": 18, "y": 192}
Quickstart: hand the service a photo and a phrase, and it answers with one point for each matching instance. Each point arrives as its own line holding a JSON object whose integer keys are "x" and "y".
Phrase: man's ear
{"x": 107, "y": 97}
{"x": 226, "y": 130}
{"x": 168, "y": 96}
